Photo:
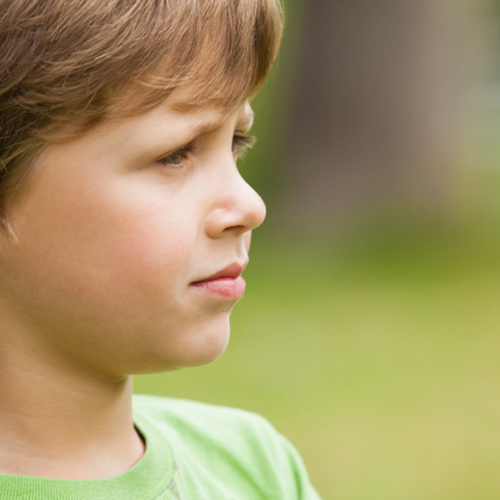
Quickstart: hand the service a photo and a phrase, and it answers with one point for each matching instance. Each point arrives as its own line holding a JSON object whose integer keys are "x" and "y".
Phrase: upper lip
{"x": 232, "y": 271}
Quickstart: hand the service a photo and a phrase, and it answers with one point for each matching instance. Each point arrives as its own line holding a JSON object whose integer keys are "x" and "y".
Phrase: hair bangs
{"x": 224, "y": 55}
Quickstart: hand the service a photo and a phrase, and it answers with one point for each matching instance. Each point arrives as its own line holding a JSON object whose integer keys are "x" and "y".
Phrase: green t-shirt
{"x": 194, "y": 451}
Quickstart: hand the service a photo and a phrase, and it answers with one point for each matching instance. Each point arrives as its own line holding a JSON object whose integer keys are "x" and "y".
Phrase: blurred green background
{"x": 369, "y": 333}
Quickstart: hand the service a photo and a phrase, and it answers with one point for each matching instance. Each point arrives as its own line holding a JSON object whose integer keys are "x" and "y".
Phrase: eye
{"x": 241, "y": 144}
{"x": 177, "y": 158}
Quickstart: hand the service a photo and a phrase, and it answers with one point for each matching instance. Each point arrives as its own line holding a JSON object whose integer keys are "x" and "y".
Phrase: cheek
{"x": 114, "y": 247}
{"x": 140, "y": 258}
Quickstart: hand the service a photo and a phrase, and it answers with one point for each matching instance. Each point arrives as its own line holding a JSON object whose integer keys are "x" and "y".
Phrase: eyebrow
{"x": 205, "y": 128}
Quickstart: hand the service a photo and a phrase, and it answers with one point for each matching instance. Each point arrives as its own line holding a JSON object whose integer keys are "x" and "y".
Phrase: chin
{"x": 208, "y": 346}
{"x": 197, "y": 346}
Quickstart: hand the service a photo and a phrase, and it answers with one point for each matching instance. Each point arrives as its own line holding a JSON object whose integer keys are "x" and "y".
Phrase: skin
{"x": 96, "y": 284}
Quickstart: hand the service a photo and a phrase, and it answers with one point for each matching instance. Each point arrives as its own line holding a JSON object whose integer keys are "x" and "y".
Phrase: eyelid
{"x": 241, "y": 144}
{"x": 186, "y": 149}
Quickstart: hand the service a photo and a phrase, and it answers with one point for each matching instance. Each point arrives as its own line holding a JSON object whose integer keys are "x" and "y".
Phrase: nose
{"x": 237, "y": 208}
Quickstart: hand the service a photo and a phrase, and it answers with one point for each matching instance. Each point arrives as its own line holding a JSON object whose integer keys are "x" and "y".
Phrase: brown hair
{"x": 67, "y": 64}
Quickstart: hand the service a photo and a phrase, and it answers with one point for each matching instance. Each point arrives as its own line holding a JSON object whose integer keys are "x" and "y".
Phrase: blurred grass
{"x": 379, "y": 357}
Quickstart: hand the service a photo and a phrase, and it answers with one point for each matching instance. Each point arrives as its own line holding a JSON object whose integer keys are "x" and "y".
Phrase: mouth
{"x": 226, "y": 284}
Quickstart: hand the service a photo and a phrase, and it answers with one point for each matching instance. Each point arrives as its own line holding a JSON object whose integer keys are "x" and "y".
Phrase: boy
{"x": 125, "y": 228}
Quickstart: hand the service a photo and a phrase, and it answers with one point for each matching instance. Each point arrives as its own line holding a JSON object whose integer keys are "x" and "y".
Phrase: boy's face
{"x": 114, "y": 234}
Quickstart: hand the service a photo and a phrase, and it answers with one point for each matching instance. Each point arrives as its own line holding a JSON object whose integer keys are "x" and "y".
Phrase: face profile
{"x": 138, "y": 233}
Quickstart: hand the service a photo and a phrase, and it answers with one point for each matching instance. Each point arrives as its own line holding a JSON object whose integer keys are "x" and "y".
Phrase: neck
{"x": 63, "y": 423}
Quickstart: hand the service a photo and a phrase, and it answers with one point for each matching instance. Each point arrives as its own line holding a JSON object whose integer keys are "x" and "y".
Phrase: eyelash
{"x": 241, "y": 144}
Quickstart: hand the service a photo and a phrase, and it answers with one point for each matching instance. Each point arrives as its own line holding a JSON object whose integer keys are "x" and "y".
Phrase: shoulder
{"x": 228, "y": 437}
{"x": 194, "y": 412}
{"x": 220, "y": 422}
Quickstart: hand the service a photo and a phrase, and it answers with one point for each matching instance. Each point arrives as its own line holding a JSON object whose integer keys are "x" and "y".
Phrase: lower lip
{"x": 227, "y": 288}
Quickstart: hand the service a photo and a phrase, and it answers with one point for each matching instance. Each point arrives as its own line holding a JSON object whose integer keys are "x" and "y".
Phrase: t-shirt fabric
{"x": 194, "y": 451}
